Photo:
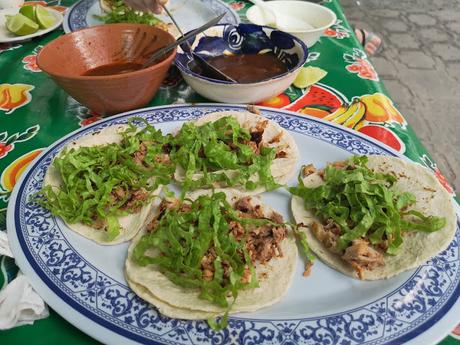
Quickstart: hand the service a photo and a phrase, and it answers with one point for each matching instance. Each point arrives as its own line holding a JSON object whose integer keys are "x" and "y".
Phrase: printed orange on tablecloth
{"x": 13, "y": 96}
{"x": 13, "y": 171}
{"x": 279, "y": 101}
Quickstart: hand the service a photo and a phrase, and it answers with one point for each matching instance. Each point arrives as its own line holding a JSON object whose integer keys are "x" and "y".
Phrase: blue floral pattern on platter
{"x": 433, "y": 288}
{"x": 76, "y": 17}
{"x": 242, "y": 39}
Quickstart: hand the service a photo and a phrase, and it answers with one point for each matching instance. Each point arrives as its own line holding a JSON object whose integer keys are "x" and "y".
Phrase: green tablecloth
{"x": 34, "y": 112}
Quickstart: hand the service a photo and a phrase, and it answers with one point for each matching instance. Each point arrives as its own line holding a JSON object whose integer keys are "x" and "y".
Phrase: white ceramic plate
{"x": 8, "y": 37}
{"x": 189, "y": 14}
{"x": 84, "y": 281}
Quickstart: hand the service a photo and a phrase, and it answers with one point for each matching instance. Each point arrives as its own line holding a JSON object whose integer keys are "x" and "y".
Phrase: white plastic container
{"x": 318, "y": 16}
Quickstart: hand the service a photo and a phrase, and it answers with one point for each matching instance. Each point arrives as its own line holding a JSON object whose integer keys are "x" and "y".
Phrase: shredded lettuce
{"x": 121, "y": 13}
{"x": 302, "y": 240}
{"x": 218, "y": 151}
{"x": 90, "y": 175}
{"x": 182, "y": 238}
{"x": 364, "y": 205}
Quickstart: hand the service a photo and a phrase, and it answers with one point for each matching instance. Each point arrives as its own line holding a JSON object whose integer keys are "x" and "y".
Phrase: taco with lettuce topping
{"x": 210, "y": 255}
{"x": 238, "y": 150}
{"x": 373, "y": 217}
{"x": 117, "y": 11}
{"x": 103, "y": 184}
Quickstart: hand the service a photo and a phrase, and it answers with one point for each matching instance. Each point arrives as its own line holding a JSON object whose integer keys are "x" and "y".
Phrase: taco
{"x": 373, "y": 217}
{"x": 117, "y": 11}
{"x": 212, "y": 255}
{"x": 103, "y": 184}
{"x": 238, "y": 150}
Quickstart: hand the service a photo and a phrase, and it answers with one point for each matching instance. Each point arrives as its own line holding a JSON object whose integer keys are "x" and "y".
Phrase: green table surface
{"x": 35, "y": 112}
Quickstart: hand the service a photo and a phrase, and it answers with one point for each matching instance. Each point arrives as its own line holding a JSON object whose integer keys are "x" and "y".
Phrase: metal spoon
{"x": 162, "y": 51}
{"x": 197, "y": 62}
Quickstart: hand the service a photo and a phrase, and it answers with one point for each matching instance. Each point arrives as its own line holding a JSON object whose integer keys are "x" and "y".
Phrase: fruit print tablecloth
{"x": 34, "y": 112}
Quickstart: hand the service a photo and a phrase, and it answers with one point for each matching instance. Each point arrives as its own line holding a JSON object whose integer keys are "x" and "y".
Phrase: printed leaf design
{"x": 12, "y": 139}
{"x": 8, "y": 144}
{"x": 29, "y": 133}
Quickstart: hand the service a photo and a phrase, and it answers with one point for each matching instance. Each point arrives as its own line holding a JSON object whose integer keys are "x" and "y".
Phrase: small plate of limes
{"x": 27, "y": 22}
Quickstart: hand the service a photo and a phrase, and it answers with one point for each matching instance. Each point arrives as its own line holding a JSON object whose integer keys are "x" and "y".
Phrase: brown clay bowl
{"x": 68, "y": 57}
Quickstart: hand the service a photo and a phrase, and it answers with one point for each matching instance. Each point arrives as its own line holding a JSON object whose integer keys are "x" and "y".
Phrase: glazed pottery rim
{"x": 311, "y": 4}
{"x": 165, "y": 61}
{"x": 187, "y": 71}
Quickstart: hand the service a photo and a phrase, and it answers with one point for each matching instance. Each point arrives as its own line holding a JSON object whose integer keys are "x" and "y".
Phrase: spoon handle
{"x": 160, "y": 52}
{"x": 265, "y": 9}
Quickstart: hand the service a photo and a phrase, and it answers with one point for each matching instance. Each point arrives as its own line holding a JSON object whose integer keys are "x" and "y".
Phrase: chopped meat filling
{"x": 132, "y": 201}
{"x": 327, "y": 235}
{"x": 139, "y": 155}
{"x": 244, "y": 205}
{"x": 164, "y": 205}
{"x": 308, "y": 170}
{"x": 163, "y": 158}
{"x": 307, "y": 270}
{"x": 246, "y": 278}
{"x": 276, "y": 217}
{"x": 256, "y": 137}
{"x": 276, "y": 138}
{"x": 253, "y": 109}
{"x": 249, "y": 210}
{"x": 252, "y": 145}
{"x": 262, "y": 242}
{"x": 281, "y": 154}
{"x": 135, "y": 199}
{"x": 362, "y": 256}
{"x": 132, "y": 198}
{"x": 169, "y": 203}
{"x": 99, "y": 223}
{"x": 118, "y": 194}
{"x": 258, "y": 132}
{"x": 339, "y": 164}
{"x": 236, "y": 229}
{"x": 207, "y": 264}
{"x": 167, "y": 148}
{"x": 261, "y": 125}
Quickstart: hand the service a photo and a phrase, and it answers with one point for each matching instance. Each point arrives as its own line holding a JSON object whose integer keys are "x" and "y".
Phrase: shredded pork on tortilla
{"x": 355, "y": 240}
{"x": 262, "y": 242}
{"x": 361, "y": 254}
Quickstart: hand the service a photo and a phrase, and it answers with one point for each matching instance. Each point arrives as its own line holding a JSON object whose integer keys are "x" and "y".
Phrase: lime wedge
{"x": 29, "y": 12}
{"x": 44, "y": 18}
{"x": 20, "y": 25}
{"x": 309, "y": 76}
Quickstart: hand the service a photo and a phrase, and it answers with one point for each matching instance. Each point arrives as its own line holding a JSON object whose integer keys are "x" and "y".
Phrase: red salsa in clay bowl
{"x": 101, "y": 67}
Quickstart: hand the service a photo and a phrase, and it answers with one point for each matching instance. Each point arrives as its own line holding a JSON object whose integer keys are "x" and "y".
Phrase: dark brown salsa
{"x": 249, "y": 68}
{"x": 113, "y": 68}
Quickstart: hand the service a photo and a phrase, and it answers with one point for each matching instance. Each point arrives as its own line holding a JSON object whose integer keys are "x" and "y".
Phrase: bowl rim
{"x": 166, "y": 61}
{"x": 299, "y": 64}
{"x": 306, "y": 4}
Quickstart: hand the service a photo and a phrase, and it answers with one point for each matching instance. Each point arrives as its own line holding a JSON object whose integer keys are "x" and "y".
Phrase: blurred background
{"x": 420, "y": 66}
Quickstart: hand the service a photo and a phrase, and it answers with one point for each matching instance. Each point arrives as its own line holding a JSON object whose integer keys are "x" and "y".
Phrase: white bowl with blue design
{"x": 242, "y": 39}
